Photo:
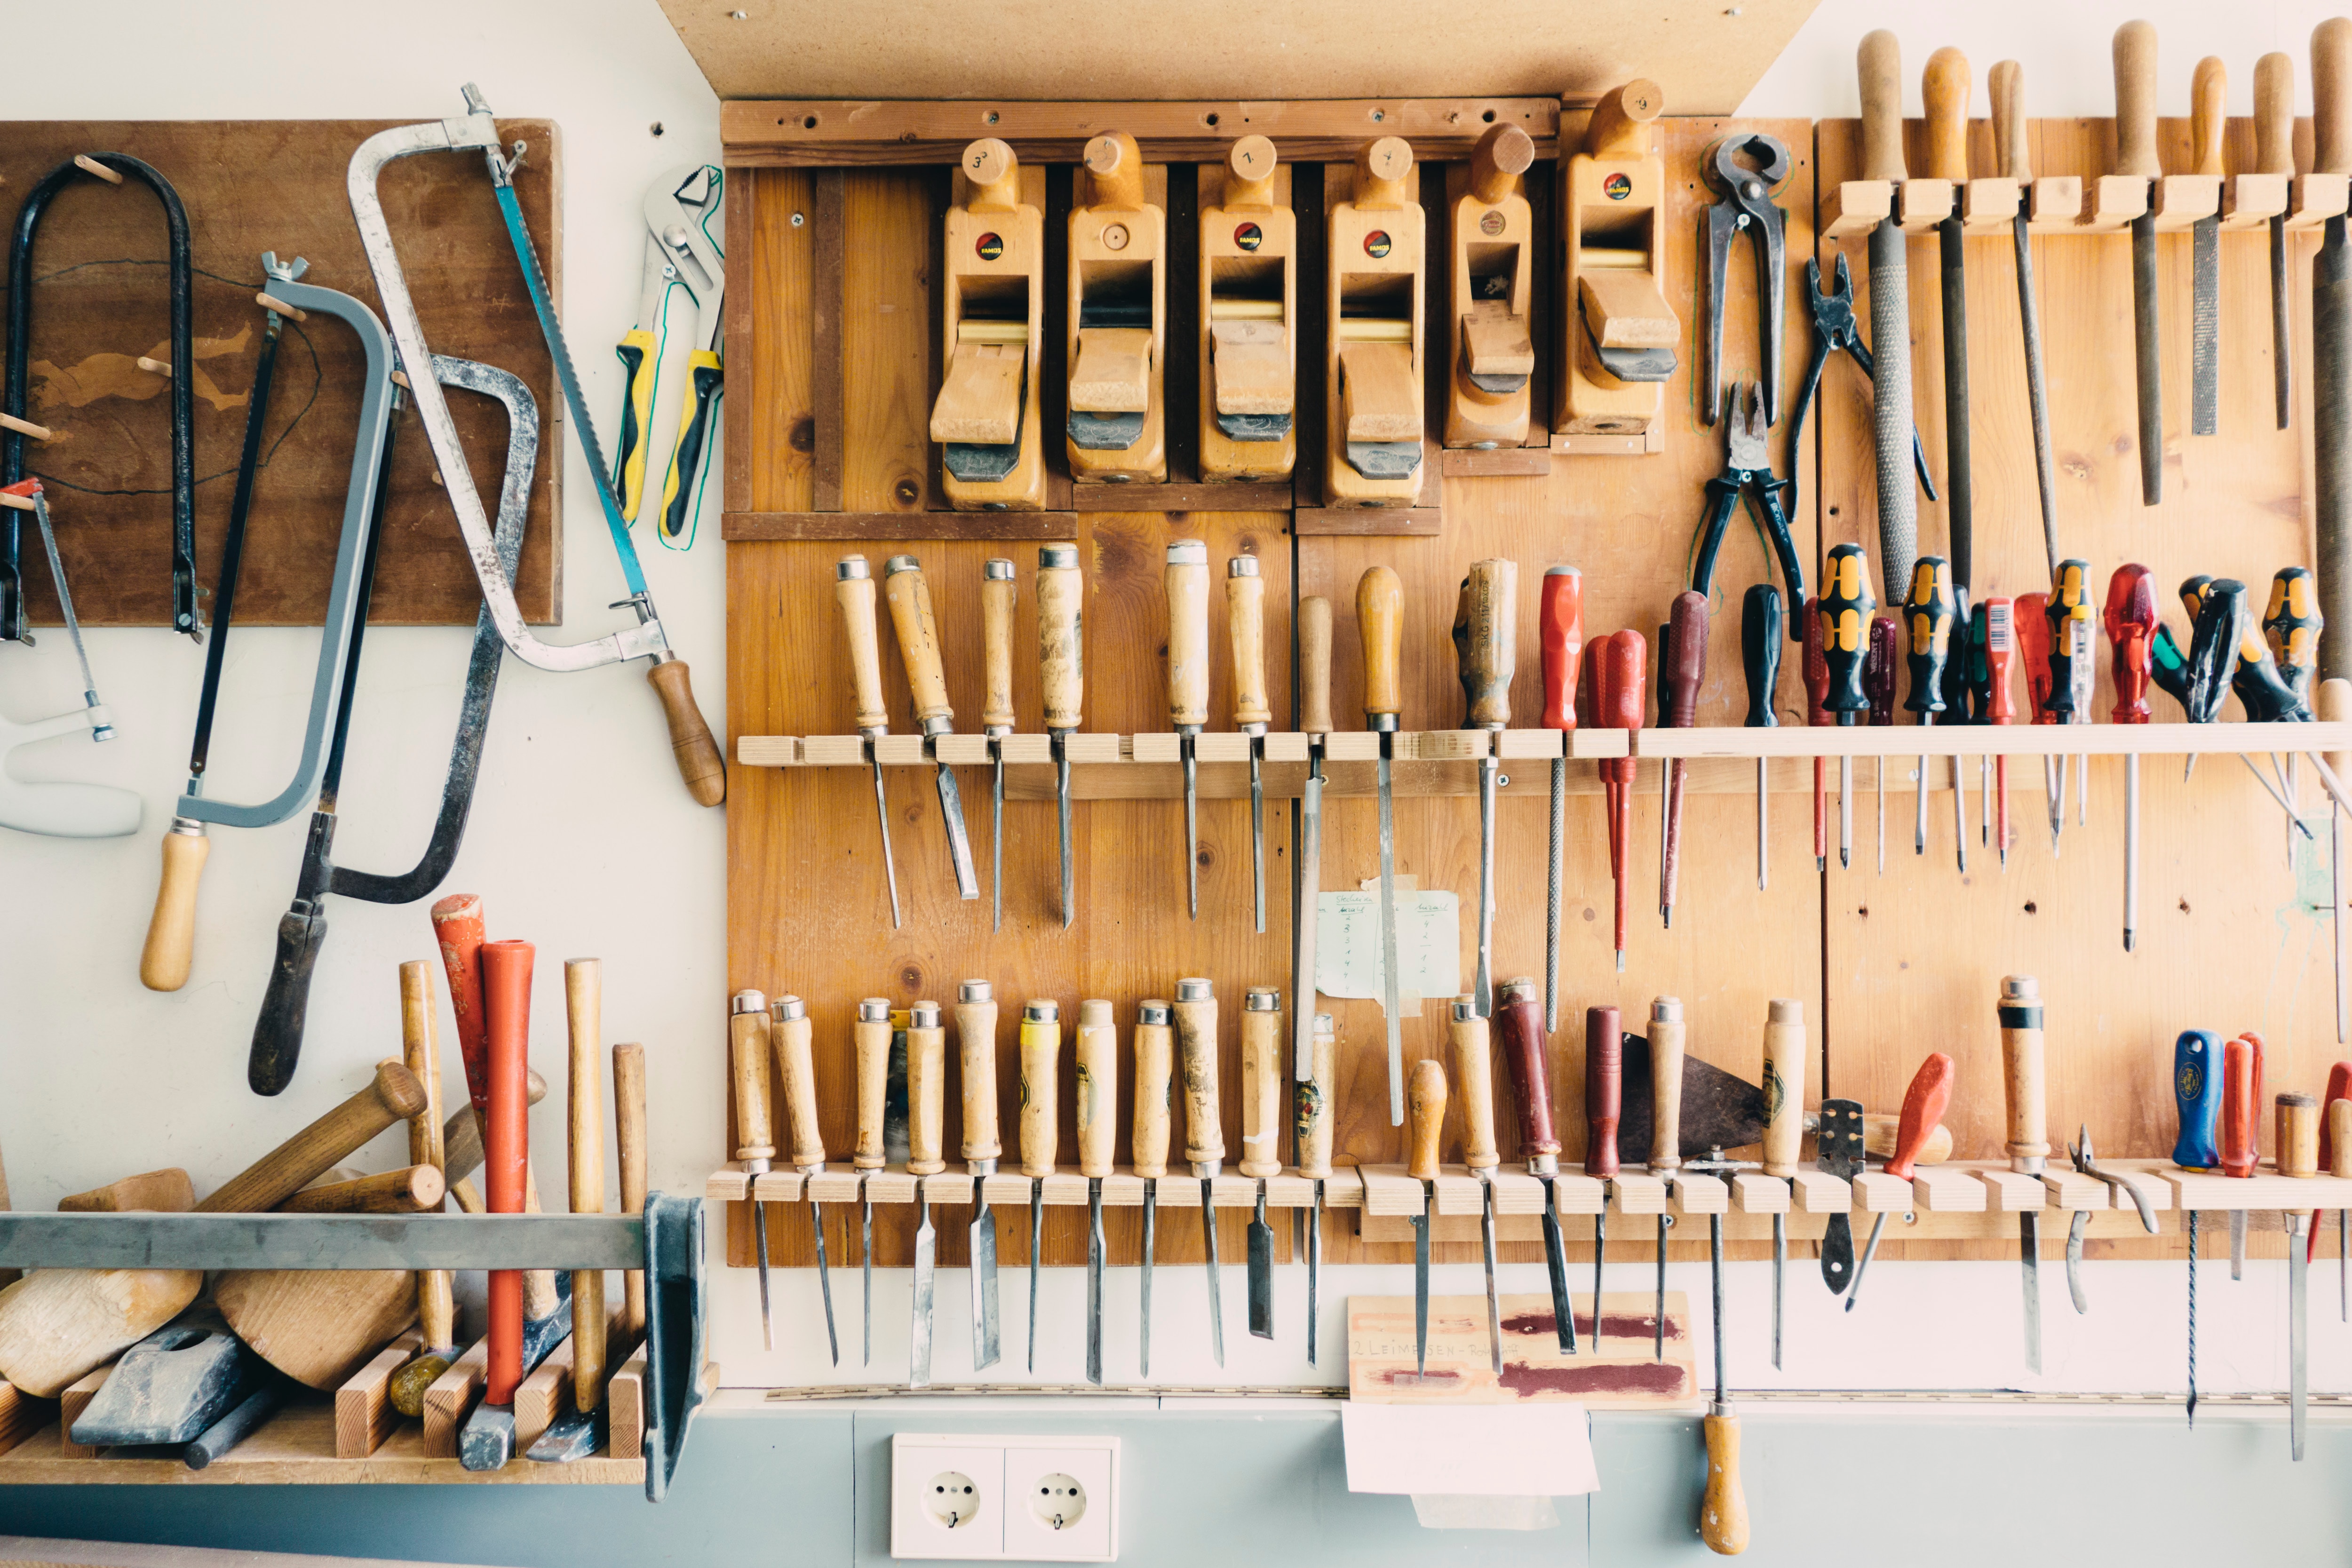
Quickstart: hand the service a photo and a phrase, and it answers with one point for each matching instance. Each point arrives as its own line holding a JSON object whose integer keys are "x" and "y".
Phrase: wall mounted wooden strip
{"x": 860, "y": 525}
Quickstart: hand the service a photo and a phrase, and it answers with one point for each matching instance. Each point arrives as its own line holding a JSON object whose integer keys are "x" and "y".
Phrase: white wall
{"x": 583, "y": 840}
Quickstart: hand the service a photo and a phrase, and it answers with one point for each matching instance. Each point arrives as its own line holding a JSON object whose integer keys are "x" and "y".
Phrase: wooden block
{"x": 1012, "y": 1188}
{"x": 1990, "y": 205}
{"x": 2313, "y": 199}
{"x": 22, "y": 1414}
{"x": 2054, "y": 204}
{"x": 1459, "y": 1193}
{"x": 1441, "y": 745}
{"x": 1529, "y": 746}
{"x": 1875, "y": 1192}
{"x": 1754, "y": 1194}
{"x": 728, "y": 1186}
{"x": 980, "y": 399}
{"x": 451, "y": 1399}
{"x": 1856, "y": 207}
{"x": 1623, "y": 309}
{"x": 778, "y": 1186}
{"x": 1097, "y": 748}
{"x": 834, "y": 751}
{"x": 833, "y": 1186}
{"x": 1576, "y": 1192}
{"x": 2251, "y": 201}
{"x": 1113, "y": 374}
{"x": 1517, "y": 1192}
{"x": 1286, "y": 746}
{"x": 317, "y": 1327}
{"x": 2073, "y": 1190}
{"x": 1939, "y": 1189}
{"x": 1281, "y": 1192}
{"x": 1638, "y": 1193}
{"x": 1251, "y": 364}
{"x": 1221, "y": 746}
{"x": 1378, "y": 399}
{"x": 890, "y": 1186}
{"x": 2210, "y": 1190}
{"x": 543, "y": 1397}
{"x": 624, "y": 1403}
{"x": 1698, "y": 1194}
{"x": 958, "y": 750}
{"x": 1495, "y": 341}
{"x": 2013, "y": 1193}
{"x": 1389, "y": 1191}
{"x": 1921, "y": 204}
{"x": 2113, "y": 202}
{"x": 363, "y": 1412}
{"x": 1124, "y": 1189}
{"x": 1069, "y": 1189}
{"x": 70, "y": 1404}
{"x": 900, "y": 751}
{"x": 1026, "y": 748}
{"x": 1344, "y": 1188}
{"x": 2183, "y": 200}
{"x": 1818, "y": 1192}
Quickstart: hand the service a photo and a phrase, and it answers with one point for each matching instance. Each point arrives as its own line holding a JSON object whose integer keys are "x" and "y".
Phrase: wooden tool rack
{"x": 836, "y": 210}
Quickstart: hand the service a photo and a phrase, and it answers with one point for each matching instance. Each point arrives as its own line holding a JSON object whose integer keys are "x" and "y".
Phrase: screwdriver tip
{"x": 1621, "y": 961}
{"x": 2129, "y": 935}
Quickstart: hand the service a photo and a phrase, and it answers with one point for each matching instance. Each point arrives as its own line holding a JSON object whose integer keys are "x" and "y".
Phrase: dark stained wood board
{"x": 101, "y": 291}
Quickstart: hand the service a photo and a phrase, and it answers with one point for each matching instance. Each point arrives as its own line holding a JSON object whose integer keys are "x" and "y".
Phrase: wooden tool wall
{"x": 829, "y": 415}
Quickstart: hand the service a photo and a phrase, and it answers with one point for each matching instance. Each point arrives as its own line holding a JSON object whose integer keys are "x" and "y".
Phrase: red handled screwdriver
{"x": 1561, "y": 633}
{"x": 1617, "y": 702}
{"x": 2131, "y": 632}
{"x": 2000, "y": 703}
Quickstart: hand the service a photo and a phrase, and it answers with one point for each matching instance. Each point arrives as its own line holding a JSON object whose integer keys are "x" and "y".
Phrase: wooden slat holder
{"x": 27, "y": 428}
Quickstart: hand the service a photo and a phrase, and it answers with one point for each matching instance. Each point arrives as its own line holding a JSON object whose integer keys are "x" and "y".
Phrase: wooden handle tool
{"x": 1486, "y": 642}
{"x": 1525, "y": 1057}
{"x": 1061, "y": 647}
{"x": 2331, "y": 97}
{"x": 2134, "y": 58}
{"x": 411, "y": 1189}
{"x": 170, "y": 950}
{"x": 910, "y": 593}
{"x": 1245, "y": 627}
{"x": 393, "y": 1095}
{"x": 1380, "y": 623}
{"x": 167, "y": 1191}
{"x": 1155, "y": 1041}
{"x": 421, "y": 1053}
{"x": 1425, "y": 1098}
{"x": 870, "y": 1038}
{"x": 1467, "y": 1044}
{"x": 975, "y": 1016}
{"x": 1784, "y": 1086}
{"x": 1879, "y": 65}
{"x": 700, "y": 762}
{"x": 2209, "y": 116}
{"x": 746, "y": 1032}
{"x": 2021, "y": 1074}
{"x": 2297, "y": 1146}
{"x": 2275, "y": 114}
{"x": 997, "y": 596}
{"x": 1604, "y": 1059}
{"x": 458, "y": 928}
{"x": 1262, "y": 1081}
{"x": 1041, "y": 1063}
{"x": 1187, "y": 579}
{"x": 583, "y": 1010}
{"x": 1312, "y": 1103}
{"x": 629, "y": 1143}
{"x": 1944, "y": 97}
{"x": 1098, "y": 1086}
{"x": 790, "y": 1036}
{"x": 2241, "y": 1109}
{"x": 926, "y": 1063}
{"x": 1667, "y": 1043}
{"x": 1314, "y": 625}
{"x": 1195, "y": 1013}
{"x": 2005, "y": 101}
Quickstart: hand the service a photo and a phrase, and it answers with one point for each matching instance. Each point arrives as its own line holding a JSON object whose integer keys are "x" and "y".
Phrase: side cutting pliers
{"x": 685, "y": 249}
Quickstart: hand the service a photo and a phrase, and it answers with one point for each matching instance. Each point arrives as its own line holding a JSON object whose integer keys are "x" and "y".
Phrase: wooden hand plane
{"x": 985, "y": 418}
{"x": 1118, "y": 303}
{"x": 1494, "y": 354}
{"x": 1619, "y": 333}
{"x": 1373, "y": 376}
{"x": 1249, "y": 316}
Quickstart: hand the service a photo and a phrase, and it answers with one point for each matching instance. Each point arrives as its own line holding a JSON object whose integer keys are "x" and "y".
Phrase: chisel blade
{"x": 1036, "y": 1259}
{"x": 2237, "y": 1244}
{"x": 882, "y": 812}
{"x": 919, "y": 1350}
{"x": 1061, "y": 812}
{"x": 866, "y": 1264}
{"x": 1551, "y": 897}
{"x": 958, "y": 839}
{"x": 1191, "y": 832}
{"x": 1389, "y": 939}
{"x": 1212, "y": 1272}
{"x": 1779, "y": 1265}
{"x": 760, "y": 1242}
{"x": 1150, "y": 1220}
{"x": 987, "y": 1344}
{"x": 1257, "y": 827}
{"x": 1261, "y": 1271}
{"x": 1494, "y": 1301}
{"x": 1483, "y": 993}
{"x": 1599, "y": 1251}
{"x": 1094, "y": 1281}
{"x": 997, "y": 834}
{"x": 1658, "y": 1314}
{"x": 824, "y": 1280}
{"x": 2205, "y": 327}
{"x": 2298, "y": 1234}
{"x": 2029, "y": 1251}
{"x": 2189, "y": 1223}
{"x": 1421, "y": 1295}
{"x": 1310, "y": 885}
{"x": 1563, "y": 1312}
{"x": 2037, "y": 395}
{"x": 2074, "y": 1260}
{"x": 2147, "y": 358}
{"x": 1854, "y": 1291}
{"x": 1314, "y": 1266}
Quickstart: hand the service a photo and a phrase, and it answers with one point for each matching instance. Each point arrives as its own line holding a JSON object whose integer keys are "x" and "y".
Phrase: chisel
{"x": 789, "y": 1038}
{"x": 918, "y": 650}
{"x": 1561, "y": 633}
{"x": 1188, "y": 687}
{"x": 1845, "y": 607}
{"x": 927, "y": 1049}
{"x": 1880, "y": 67}
{"x": 1784, "y": 1107}
{"x": 2298, "y": 1150}
{"x": 853, "y": 589}
{"x": 1246, "y": 626}
{"x": 1204, "y": 1134}
{"x": 1428, "y": 1122}
{"x": 1759, "y": 658}
{"x": 1928, "y": 617}
{"x": 2196, "y": 1095}
{"x": 1154, "y": 1111}
{"x": 2275, "y": 154}
{"x": 1944, "y": 97}
{"x": 1684, "y": 651}
{"x": 1605, "y": 1048}
{"x": 2131, "y": 628}
{"x": 747, "y": 1038}
{"x": 1379, "y": 625}
{"x": 1041, "y": 1052}
{"x": 1314, "y": 626}
{"x": 2208, "y": 92}
{"x": 1262, "y": 1079}
{"x": 1097, "y": 1090}
{"x": 1312, "y": 1134}
{"x": 2029, "y": 1143}
{"x": 975, "y": 1017}
{"x": 870, "y": 1037}
{"x": 1467, "y": 1044}
{"x": 1485, "y": 655}
{"x": 2136, "y": 159}
{"x": 1061, "y": 657}
{"x": 1527, "y": 1059}
{"x": 2242, "y": 1101}
{"x": 1666, "y": 1038}
{"x": 997, "y": 594}
{"x": 1879, "y": 685}
{"x": 2005, "y": 87}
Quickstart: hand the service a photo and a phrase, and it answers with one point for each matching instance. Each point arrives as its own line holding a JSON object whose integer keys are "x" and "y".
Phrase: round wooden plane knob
{"x": 1619, "y": 127}
{"x": 1503, "y": 155}
{"x": 1114, "y": 171}
{"x": 1381, "y": 166}
{"x": 994, "y": 173}
{"x": 1251, "y": 164}
{"x": 1425, "y": 1103}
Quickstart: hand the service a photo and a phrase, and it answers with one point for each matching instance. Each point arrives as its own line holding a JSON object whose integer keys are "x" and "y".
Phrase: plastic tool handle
{"x": 1685, "y": 655}
{"x": 1246, "y": 629}
{"x": 1262, "y": 1082}
{"x": 1061, "y": 642}
{"x": 1784, "y": 1085}
{"x": 2134, "y": 51}
{"x": 975, "y": 1019}
{"x": 1041, "y": 1064}
{"x": 1924, "y": 1104}
{"x": 1879, "y": 65}
{"x": 747, "y": 1047}
{"x": 691, "y": 742}
{"x": 2275, "y": 114}
{"x": 1761, "y": 620}
{"x": 1154, "y": 1060}
{"x": 870, "y": 1040}
{"x": 1723, "y": 1512}
{"x": 1380, "y": 623}
{"x": 1528, "y": 1060}
{"x": 629, "y": 1152}
{"x": 1817, "y": 668}
{"x": 790, "y": 1037}
{"x": 1196, "y": 1047}
{"x": 2030, "y": 623}
{"x": 1944, "y": 95}
{"x": 1878, "y": 670}
{"x": 171, "y": 947}
{"x": 1315, "y": 665}
{"x": 459, "y": 928}
{"x": 2331, "y": 97}
{"x": 2197, "y": 1092}
{"x": 706, "y": 375}
{"x": 853, "y": 589}
{"x": 2213, "y": 648}
{"x": 505, "y": 1145}
{"x": 2130, "y": 618}
{"x": 2254, "y": 1042}
{"x": 393, "y": 1095}
{"x": 1188, "y": 633}
{"x": 1617, "y": 697}
{"x": 910, "y": 593}
{"x": 1928, "y": 611}
{"x": 1485, "y": 643}
{"x": 2000, "y": 660}
{"x": 1604, "y": 1089}
{"x": 2291, "y": 626}
{"x": 1466, "y": 1042}
{"x": 1847, "y": 604}
{"x": 927, "y": 1091}
{"x": 2005, "y": 98}
{"x": 2241, "y": 1106}
{"x": 997, "y": 594}
{"x": 2208, "y": 109}
{"x": 2297, "y": 1141}
{"x": 2023, "y": 1081}
{"x": 1667, "y": 1034}
{"x": 1098, "y": 1052}
{"x": 1426, "y": 1103}
{"x": 1560, "y": 630}
{"x": 1311, "y": 1106}
{"x": 2068, "y": 611}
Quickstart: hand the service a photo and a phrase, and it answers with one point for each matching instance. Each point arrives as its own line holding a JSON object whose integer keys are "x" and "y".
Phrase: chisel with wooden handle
{"x": 1312, "y": 1132}
{"x": 927, "y": 1050}
{"x": 790, "y": 1037}
{"x": 1428, "y": 1099}
{"x": 1061, "y": 656}
{"x": 1560, "y": 616}
{"x": 870, "y": 1041}
{"x": 1526, "y": 1058}
{"x": 1314, "y": 628}
{"x": 1604, "y": 1059}
{"x": 1880, "y": 67}
{"x": 1245, "y": 625}
{"x": 755, "y": 1145}
{"x": 1924, "y": 1104}
{"x": 420, "y": 1043}
{"x": 1379, "y": 625}
{"x": 1262, "y": 1079}
{"x": 1468, "y": 1046}
{"x": 1485, "y": 652}
{"x": 1785, "y": 1050}
{"x": 2298, "y": 1159}
{"x": 1187, "y": 579}
{"x": 1040, "y": 1052}
{"x": 1097, "y": 1086}
{"x": 2136, "y": 160}
{"x": 910, "y": 593}
{"x": 1204, "y": 1137}
{"x": 853, "y": 589}
{"x": 1666, "y": 1045}
{"x": 975, "y": 1017}
{"x": 2029, "y": 1143}
{"x": 996, "y": 598}
{"x": 1154, "y": 1113}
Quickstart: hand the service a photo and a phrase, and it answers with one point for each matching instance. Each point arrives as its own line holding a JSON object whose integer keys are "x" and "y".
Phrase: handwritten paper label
{"x": 1429, "y": 945}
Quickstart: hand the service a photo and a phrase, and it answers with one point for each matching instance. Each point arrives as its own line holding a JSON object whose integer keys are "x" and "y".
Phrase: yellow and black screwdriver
{"x": 1844, "y": 607}
{"x": 1927, "y": 614}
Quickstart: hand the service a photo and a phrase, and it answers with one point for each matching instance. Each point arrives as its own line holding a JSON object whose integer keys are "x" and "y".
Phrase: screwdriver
{"x": 2068, "y": 611}
{"x": 1684, "y": 649}
{"x": 1759, "y": 656}
{"x": 1188, "y": 687}
{"x": 2242, "y": 1109}
{"x": 1878, "y": 686}
{"x": 997, "y": 594}
{"x": 2291, "y": 626}
{"x": 1527, "y": 1059}
{"x": 853, "y": 589}
{"x": 1061, "y": 657}
{"x": 2196, "y": 1094}
{"x": 1561, "y": 633}
{"x": 1380, "y": 629}
{"x": 2031, "y": 622}
{"x": 1245, "y": 625}
{"x": 1845, "y": 606}
{"x": 1957, "y": 711}
{"x": 1485, "y": 653}
{"x": 2131, "y": 626}
{"x": 1927, "y": 614}
{"x": 1041, "y": 1051}
{"x": 789, "y": 1038}
{"x": 1817, "y": 692}
{"x": 2000, "y": 653}
{"x": 910, "y": 593}
{"x": 1976, "y": 677}
{"x": 1617, "y": 703}
{"x": 1605, "y": 1089}
{"x": 747, "y": 1031}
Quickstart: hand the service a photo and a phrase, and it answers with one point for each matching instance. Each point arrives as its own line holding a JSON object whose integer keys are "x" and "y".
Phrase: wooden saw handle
{"x": 1261, "y": 1075}
{"x": 1041, "y": 1064}
{"x": 789, "y": 1036}
{"x": 976, "y": 1045}
{"x": 870, "y": 1035}
{"x": 1061, "y": 642}
{"x": 1196, "y": 1047}
{"x": 997, "y": 594}
{"x": 1486, "y": 642}
{"x": 1380, "y": 625}
{"x": 1944, "y": 94}
{"x": 699, "y": 762}
{"x": 853, "y": 589}
{"x": 2005, "y": 97}
{"x": 1667, "y": 1034}
{"x": 1425, "y": 1105}
{"x": 1154, "y": 1083}
{"x": 1314, "y": 624}
{"x": 393, "y": 1095}
{"x": 910, "y": 593}
{"x": 1784, "y": 1085}
{"x": 171, "y": 945}
{"x": 1188, "y": 632}
{"x": 2275, "y": 114}
{"x": 1879, "y": 66}
{"x": 1098, "y": 1053}
{"x": 1466, "y": 1040}
{"x": 1245, "y": 627}
{"x": 2134, "y": 52}
{"x": 2209, "y": 115}
{"x": 747, "y": 1044}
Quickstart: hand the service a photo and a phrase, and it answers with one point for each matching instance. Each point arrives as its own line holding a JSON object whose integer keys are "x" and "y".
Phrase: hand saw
{"x": 685, "y": 250}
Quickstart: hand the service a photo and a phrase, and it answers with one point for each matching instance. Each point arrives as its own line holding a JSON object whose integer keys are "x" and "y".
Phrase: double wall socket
{"x": 959, "y": 1498}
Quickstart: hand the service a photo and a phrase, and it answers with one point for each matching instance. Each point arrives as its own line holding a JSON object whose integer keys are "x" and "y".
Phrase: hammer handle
{"x": 394, "y": 1095}
{"x": 583, "y": 1013}
{"x": 458, "y": 927}
{"x": 629, "y": 1143}
{"x": 421, "y": 1052}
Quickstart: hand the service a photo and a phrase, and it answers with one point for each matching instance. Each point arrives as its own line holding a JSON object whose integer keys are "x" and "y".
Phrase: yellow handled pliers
{"x": 685, "y": 250}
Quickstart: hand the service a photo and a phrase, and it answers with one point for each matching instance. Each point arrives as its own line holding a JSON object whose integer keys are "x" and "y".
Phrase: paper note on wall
{"x": 1429, "y": 945}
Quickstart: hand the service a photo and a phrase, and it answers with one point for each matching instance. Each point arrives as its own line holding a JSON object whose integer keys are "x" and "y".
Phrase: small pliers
{"x": 2083, "y": 1162}
{"x": 1748, "y": 465}
{"x": 1833, "y": 328}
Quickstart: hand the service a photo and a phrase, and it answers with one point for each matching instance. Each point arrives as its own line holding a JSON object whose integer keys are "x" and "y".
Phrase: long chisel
{"x": 1311, "y": 1131}
{"x": 1667, "y": 1043}
{"x": 1528, "y": 1060}
{"x": 1314, "y": 628}
{"x": 2029, "y": 1141}
{"x": 2207, "y": 120}
{"x": 1562, "y": 633}
{"x": 1379, "y": 625}
{"x": 1155, "y": 1089}
{"x": 1246, "y": 626}
{"x": 918, "y": 648}
{"x": 1262, "y": 1081}
{"x": 1428, "y": 1122}
{"x": 2136, "y": 159}
{"x": 747, "y": 1041}
{"x": 789, "y": 1038}
{"x": 1604, "y": 1089}
{"x": 2274, "y": 155}
{"x": 1205, "y": 1135}
{"x": 853, "y": 589}
{"x": 1784, "y": 1116}
{"x": 1467, "y": 1043}
{"x": 975, "y": 1017}
{"x": 1880, "y": 64}
{"x": 870, "y": 1035}
{"x": 1188, "y": 688}
{"x": 1759, "y": 658}
{"x": 2298, "y": 1148}
{"x": 1097, "y": 1090}
{"x": 997, "y": 594}
{"x": 1944, "y": 95}
{"x": 2197, "y": 1096}
{"x": 2005, "y": 86}
{"x": 1061, "y": 657}
{"x": 926, "y": 1051}
{"x": 1485, "y": 655}
{"x": 1041, "y": 1054}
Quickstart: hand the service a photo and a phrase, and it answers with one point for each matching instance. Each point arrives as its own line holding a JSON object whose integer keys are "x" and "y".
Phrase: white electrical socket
{"x": 956, "y": 1496}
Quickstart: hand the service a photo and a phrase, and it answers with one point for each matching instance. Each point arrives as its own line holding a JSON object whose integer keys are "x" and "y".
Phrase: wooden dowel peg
{"x": 26, "y": 427}
{"x": 271, "y": 302}
{"x": 90, "y": 165}
{"x": 24, "y": 503}
{"x": 162, "y": 367}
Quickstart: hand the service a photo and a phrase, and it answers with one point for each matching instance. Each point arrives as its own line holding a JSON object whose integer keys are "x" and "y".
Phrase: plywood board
{"x": 1620, "y": 1373}
{"x": 101, "y": 298}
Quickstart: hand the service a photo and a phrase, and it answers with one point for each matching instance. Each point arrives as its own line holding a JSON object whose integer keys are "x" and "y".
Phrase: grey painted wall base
{"x": 806, "y": 1483}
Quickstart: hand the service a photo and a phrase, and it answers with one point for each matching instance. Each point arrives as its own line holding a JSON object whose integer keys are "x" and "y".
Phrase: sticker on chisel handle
{"x": 2020, "y": 1017}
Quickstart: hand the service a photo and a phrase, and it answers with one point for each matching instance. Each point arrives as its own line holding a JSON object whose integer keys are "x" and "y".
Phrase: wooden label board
{"x": 1623, "y": 1372}
{"x": 101, "y": 299}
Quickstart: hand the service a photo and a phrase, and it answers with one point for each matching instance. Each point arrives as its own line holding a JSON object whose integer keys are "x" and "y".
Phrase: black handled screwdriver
{"x": 1928, "y": 611}
{"x": 1759, "y": 655}
{"x": 1846, "y": 603}
{"x": 1879, "y": 685}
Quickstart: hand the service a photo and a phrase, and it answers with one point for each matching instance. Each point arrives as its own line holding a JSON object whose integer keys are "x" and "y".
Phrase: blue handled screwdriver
{"x": 2197, "y": 1090}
